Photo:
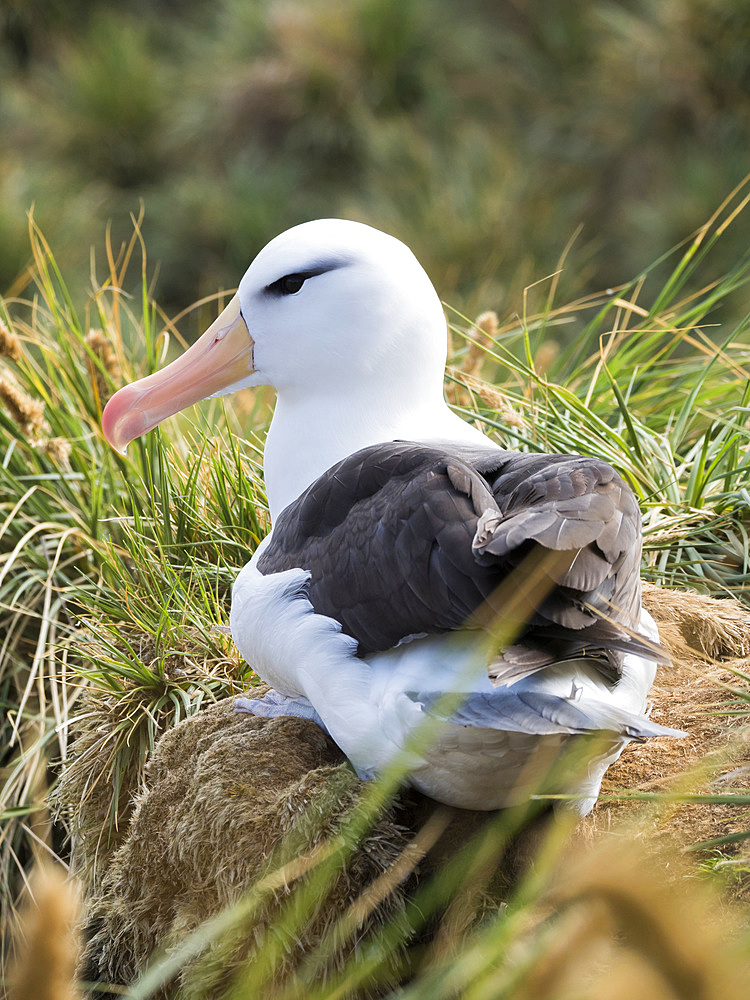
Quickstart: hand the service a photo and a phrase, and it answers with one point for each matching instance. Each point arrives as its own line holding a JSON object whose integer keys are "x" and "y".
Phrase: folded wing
{"x": 403, "y": 539}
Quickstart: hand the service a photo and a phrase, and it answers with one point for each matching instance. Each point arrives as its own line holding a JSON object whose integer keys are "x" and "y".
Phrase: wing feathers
{"x": 402, "y": 538}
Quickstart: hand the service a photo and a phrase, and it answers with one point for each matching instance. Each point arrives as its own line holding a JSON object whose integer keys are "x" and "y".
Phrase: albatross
{"x": 400, "y": 533}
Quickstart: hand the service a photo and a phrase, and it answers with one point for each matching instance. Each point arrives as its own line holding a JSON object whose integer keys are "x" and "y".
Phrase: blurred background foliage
{"x": 484, "y": 134}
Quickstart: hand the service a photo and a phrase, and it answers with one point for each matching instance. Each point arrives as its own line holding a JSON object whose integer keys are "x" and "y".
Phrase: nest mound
{"x": 228, "y": 797}
{"x": 694, "y": 695}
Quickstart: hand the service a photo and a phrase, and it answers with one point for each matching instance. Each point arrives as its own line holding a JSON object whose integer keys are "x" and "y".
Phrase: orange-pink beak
{"x": 218, "y": 360}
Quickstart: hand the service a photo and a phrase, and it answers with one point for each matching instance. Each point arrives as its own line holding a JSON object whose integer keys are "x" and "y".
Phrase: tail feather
{"x": 540, "y": 713}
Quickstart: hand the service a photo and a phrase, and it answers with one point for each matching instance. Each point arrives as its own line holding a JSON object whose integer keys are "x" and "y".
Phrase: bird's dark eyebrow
{"x": 312, "y": 270}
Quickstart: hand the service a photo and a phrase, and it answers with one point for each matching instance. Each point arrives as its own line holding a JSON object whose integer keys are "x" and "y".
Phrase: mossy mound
{"x": 226, "y": 796}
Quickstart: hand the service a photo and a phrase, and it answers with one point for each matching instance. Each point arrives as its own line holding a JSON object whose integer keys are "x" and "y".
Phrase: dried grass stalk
{"x": 48, "y": 943}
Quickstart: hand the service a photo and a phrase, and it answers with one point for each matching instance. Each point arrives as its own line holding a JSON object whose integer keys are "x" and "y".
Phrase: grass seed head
{"x": 102, "y": 349}
{"x": 496, "y": 400}
{"x": 486, "y": 326}
{"x": 10, "y": 345}
{"x": 500, "y": 403}
{"x": 488, "y": 323}
{"x": 545, "y": 356}
{"x": 58, "y": 450}
{"x": 28, "y": 413}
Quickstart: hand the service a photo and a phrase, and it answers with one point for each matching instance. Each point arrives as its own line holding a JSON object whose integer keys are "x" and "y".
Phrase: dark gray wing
{"x": 387, "y": 537}
{"x": 580, "y": 506}
{"x": 403, "y": 539}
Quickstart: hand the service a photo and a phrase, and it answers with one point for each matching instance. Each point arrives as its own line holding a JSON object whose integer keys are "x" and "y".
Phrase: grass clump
{"x": 88, "y": 539}
{"x": 660, "y": 390}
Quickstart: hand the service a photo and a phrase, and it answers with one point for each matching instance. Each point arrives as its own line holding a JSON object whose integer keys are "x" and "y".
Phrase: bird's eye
{"x": 291, "y": 284}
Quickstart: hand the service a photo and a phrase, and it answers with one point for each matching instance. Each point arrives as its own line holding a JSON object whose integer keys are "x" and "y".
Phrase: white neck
{"x": 307, "y": 436}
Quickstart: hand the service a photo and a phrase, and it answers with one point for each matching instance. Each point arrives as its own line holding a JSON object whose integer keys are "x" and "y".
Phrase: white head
{"x": 364, "y": 314}
{"x": 343, "y": 321}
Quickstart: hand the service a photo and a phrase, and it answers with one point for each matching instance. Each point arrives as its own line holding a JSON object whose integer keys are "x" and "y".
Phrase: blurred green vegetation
{"x": 482, "y": 134}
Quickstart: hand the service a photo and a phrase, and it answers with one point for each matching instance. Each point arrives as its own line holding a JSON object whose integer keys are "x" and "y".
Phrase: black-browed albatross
{"x": 395, "y": 523}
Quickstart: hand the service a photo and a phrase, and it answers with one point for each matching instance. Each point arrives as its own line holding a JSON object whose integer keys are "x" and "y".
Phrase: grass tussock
{"x": 115, "y": 577}
{"x": 719, "y": 630}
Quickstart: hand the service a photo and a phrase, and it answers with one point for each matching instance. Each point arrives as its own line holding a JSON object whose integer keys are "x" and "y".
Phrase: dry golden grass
{"x": 694, "y": 624}
{"x": 612, "y": 927}
{"x": 47, "y": 945}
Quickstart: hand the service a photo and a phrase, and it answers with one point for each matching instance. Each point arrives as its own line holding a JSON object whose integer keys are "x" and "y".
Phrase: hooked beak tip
{"x": 118, "y": 417}
{"x": 220, "y": 361}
